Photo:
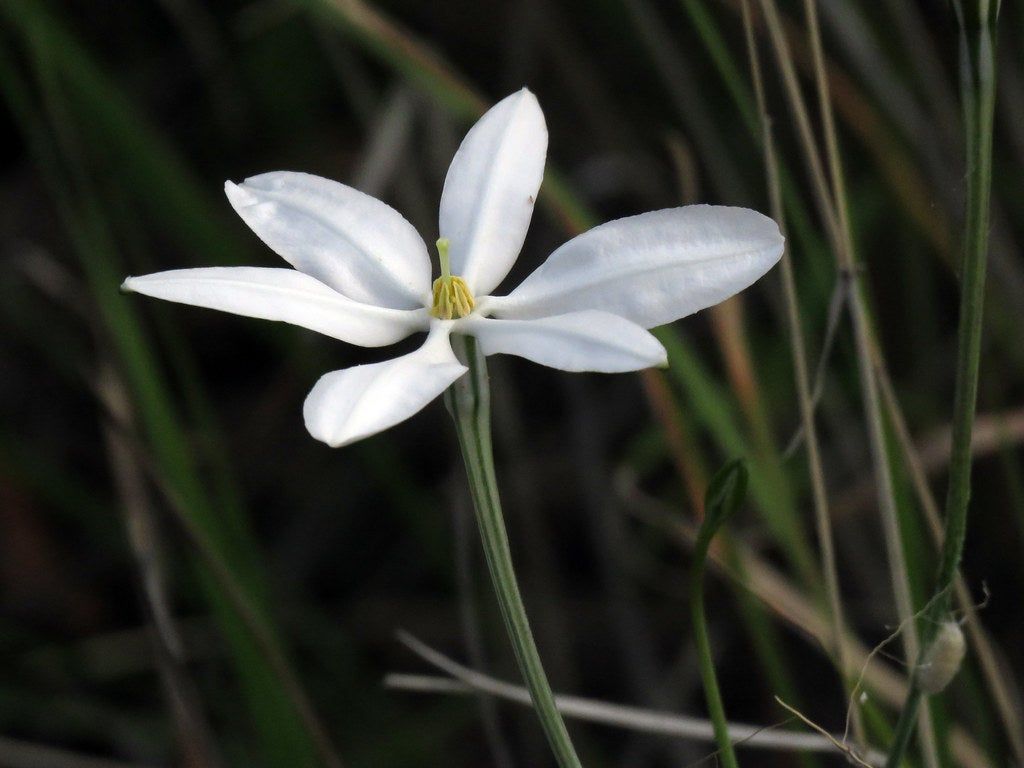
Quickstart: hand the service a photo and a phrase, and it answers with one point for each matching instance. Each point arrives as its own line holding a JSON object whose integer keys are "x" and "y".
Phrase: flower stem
{"x": 725, "y": 493}
{"x": 978, "y": 89}
{"x": 716, "y": 710}
{"x": 468, "y": 400}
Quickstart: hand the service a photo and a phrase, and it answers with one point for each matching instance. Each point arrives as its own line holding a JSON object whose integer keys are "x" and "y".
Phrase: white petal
{"x": 352, "y": 242}
{"x": 580, "y": 341}
{"x": 653, "y": 268}
{"x": 285, "y": 295}
{"x": 345, "y": 406}
{"x": 491, "y": 188}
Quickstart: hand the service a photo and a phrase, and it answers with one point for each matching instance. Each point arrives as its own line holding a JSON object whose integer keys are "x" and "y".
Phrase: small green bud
{"x": 725, "y": 494}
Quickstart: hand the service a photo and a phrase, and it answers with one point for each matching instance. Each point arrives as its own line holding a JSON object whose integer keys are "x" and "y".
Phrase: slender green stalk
{"x": 716, "y": 710}
{"x": 978, "y": 83}
{"x": 725, "y": 493}
{"x": 978, "y": 91}
{"x": 469, "y": 402}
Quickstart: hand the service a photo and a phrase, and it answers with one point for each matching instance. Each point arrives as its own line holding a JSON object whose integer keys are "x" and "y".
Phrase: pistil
{"x": 452, "y": 297}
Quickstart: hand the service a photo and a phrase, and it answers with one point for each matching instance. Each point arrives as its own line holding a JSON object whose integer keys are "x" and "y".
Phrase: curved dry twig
{"x": 463, "y": 680}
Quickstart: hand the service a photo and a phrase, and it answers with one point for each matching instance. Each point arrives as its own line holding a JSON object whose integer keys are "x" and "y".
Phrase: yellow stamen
{"x": 452, "y": 297}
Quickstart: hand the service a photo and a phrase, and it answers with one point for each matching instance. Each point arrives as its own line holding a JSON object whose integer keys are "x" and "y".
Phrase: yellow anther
{"x": 452, "y": 297}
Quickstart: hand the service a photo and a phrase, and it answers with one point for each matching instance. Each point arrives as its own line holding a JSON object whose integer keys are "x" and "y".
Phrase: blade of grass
{"x": 763, "y": 635}
{"x": 729, "y": 69}
{"x": 163, "y": 184}
{"x": 684, "y": 93}
{"x": 727, "y": 322}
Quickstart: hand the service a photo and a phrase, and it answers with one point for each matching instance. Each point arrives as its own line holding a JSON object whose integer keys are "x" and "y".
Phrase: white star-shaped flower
{"x": 362, "y": 274}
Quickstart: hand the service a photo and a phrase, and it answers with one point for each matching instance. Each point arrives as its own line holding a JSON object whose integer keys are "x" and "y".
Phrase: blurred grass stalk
{"x": 830, "y": 193}
{"x": 195, "y": 736}
{"x": 798, "y": 348}
{"x": 977, "y": 37}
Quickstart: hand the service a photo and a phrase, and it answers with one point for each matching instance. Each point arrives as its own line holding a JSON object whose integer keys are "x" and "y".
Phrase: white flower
{"x": 362, "y": 274}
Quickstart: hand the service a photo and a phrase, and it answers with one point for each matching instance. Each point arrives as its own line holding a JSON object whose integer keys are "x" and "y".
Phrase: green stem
{"x": 977, "y": 82}
{"x": 716, "y": 710}
{"x": 468, "y": 400}
{"x": 725, "y": 493}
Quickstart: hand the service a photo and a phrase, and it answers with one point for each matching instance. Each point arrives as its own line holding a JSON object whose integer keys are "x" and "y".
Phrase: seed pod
{"x": 943, "y": 659}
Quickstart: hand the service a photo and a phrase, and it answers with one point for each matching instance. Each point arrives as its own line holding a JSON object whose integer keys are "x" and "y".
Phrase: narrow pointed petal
{"x": 653, "y": 268}
{"x": 345, "y": 406}
{"x": 284, "y": 295}
{"x": 579, "y": 341}
{"x": 490, "y": 190}
{"x": 348, "y": 240}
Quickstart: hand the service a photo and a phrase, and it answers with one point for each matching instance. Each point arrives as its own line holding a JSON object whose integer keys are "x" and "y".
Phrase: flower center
{"x": 452, "y": 297}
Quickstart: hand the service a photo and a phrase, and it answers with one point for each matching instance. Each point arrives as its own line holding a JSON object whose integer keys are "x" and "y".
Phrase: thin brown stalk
{"x": 863, "y": 119}
{"x": 798, "y": 109}
{"x": 833, "y": 199}
{"x": 728, "y": 327}
{"x": 798, "y": 347}
{"x": 195, "y": 739}
{"x": 462, "y": 679}
{"x": 15, "y": 753}
{"x": 663, "y": 406}
{"x": 247, "y": 612}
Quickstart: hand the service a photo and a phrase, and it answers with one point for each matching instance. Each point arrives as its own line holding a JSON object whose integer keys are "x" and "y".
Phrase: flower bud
{"x": 943, "y": 659}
